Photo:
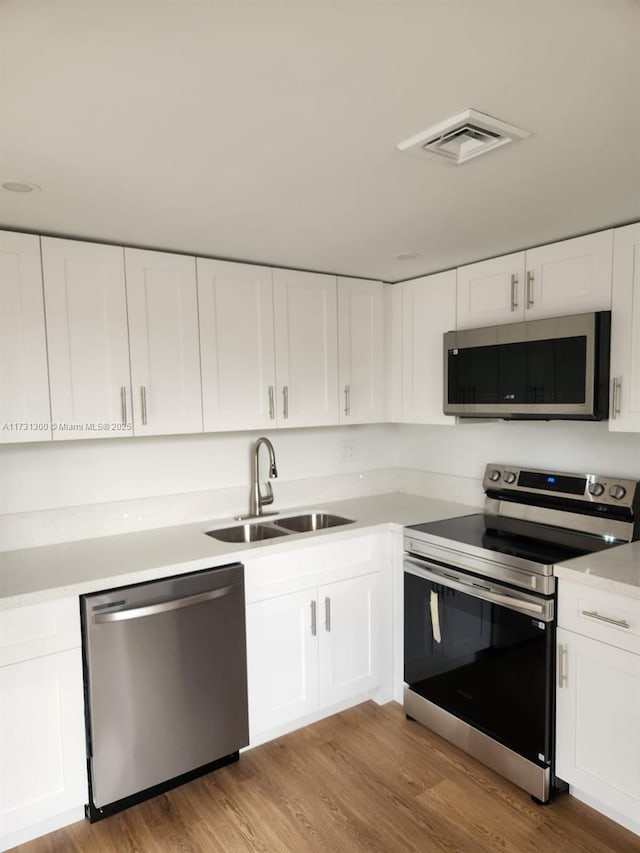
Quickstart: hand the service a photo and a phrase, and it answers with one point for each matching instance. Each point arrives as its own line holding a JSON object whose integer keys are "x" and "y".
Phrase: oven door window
{"x": 484, "y": 663}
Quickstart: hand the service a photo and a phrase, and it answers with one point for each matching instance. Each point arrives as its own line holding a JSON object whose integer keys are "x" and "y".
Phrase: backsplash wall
{"x": 465, "y": 449}
{"x": 56, "y": 492}
{"x": 59, "y": 474}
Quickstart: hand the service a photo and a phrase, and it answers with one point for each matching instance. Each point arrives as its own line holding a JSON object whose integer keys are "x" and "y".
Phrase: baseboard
{"x": 42, "y": 827}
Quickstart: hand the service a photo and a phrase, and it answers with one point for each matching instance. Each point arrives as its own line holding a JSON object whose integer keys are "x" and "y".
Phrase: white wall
{"x": 75, "y": 473}
{"x": 57, "y": 492}
{"x": 464, "y": 450}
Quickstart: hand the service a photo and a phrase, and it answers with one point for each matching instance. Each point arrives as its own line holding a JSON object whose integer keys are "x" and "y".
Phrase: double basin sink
{"x": 258, "y": 531}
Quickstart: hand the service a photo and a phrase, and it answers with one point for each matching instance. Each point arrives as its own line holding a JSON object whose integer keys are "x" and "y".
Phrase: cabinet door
{"x": 570, "y": 277}
{"x": 236, "y": 341}
{"x": 24, "y": 381}
{"x": 88, "y": 341}
{"x": 625, "y": 331}
{"x": 350, "y": 634}
{"x": 360, "y": 351}
{"x": 282, "y": 660}
{"x": 164, "y": 340}
{"x": 42, "y": 744}
{"x": 428, "y": 311}
{"x": 491, "y": 292}
{"x": 597, "y": 732}
{"x": 306, "y": 348}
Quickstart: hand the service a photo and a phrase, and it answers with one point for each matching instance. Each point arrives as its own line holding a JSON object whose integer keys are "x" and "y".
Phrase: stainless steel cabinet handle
{"x": 514, "y": 292}
{"x": 562, "y": 672}
{"x": 143, "y": 403}
{"x": 165, "y": 606}
{"x": 529, "y": 289}
{"x": 123, "y": 403}
{"x": 347, "y": 399}
{"x": 593, "y": 614}
{"x": 327, "y": 614}
{"x": 615, "y": 402}
{"x": 285, "y": 401}
{"x": 272, "y": 405}
{"x": 314, "y": 624}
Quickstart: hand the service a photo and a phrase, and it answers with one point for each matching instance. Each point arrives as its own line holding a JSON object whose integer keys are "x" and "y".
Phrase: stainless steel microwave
{"x": 556, "y": 368}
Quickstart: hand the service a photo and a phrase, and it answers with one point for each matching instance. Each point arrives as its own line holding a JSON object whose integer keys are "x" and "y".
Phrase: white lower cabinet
{"x": 598, "y": 707}
{"x": 315, "y": 650}
{"x": 349, "y": 651}
{"x": 282, "y": 657}
{"x": 43, "y": 781}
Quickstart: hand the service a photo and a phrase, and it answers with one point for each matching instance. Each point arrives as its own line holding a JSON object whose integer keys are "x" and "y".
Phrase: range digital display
{"x": 552, "y": 482}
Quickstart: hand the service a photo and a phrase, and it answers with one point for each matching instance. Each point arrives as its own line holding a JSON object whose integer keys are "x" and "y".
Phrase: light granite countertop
{"x": 615, "y": 570}
{"x": 48, "y": 572}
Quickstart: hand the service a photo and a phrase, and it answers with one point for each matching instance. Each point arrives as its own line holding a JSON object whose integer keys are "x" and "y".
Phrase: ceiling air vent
{"x": 463, "y": 137}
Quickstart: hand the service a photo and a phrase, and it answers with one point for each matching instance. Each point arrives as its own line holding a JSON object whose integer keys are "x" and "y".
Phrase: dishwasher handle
{"x": 165, "y": 606}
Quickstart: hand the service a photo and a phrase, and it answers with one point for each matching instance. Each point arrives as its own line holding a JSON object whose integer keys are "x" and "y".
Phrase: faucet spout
{"x": 257, "y": 499}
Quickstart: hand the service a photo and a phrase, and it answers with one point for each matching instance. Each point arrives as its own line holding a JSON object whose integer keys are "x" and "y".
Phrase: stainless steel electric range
{"x": 479, "y": 612}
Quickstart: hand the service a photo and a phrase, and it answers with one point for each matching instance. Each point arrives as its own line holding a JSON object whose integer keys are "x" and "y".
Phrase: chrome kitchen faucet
{"x": 256, "y": 499}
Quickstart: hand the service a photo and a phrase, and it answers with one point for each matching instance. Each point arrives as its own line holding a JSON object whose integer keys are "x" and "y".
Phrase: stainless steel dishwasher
{"x": 166, "y": 684}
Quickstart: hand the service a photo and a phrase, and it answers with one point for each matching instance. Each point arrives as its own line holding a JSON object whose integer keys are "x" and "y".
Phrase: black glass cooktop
{"x": 471, "y": 530}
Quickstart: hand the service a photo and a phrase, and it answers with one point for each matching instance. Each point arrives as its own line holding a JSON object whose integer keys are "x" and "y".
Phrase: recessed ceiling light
{"x": 20, "y": 187}
{"x": 408, "y": 256}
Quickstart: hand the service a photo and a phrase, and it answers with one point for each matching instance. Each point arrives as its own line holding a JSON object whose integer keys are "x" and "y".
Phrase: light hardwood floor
{"x": 364, "y": 780}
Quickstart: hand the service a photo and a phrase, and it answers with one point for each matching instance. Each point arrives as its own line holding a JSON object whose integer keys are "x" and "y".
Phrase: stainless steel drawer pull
{"x": 347, "y": 400}
{"x": 143, "y": 403}
{"x": 123, "y": 403}
{"x": 314, "y": 624}
{"x": 615, "y": 402}
{"x": 562, "y": 672}
{"x": 272, "y": 406}
{"x": 514, "y": 292}
{"x": 327, "y": 614}
{"x": 529, "y": 289}
{"x": 165, "y": 606}
{"x": 285, "y": 401}
{"x": 593, "y": 614}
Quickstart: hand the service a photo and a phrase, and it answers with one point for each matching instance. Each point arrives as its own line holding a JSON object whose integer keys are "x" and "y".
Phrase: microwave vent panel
{"x": 463, "y": 137}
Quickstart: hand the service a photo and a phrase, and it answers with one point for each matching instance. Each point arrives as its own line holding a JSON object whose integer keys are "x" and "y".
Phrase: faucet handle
{"x": 268, "y": 498}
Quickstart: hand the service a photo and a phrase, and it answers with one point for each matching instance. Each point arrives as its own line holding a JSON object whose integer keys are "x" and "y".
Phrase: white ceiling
{"x": 267, "y": 131}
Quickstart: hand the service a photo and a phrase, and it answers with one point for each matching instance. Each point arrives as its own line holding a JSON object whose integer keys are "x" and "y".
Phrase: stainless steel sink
{"x": 246, "y": 533}
{"x": 312, "y": 521}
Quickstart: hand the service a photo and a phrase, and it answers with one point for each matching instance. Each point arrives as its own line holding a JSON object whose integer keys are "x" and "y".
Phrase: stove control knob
{"x": 494, "y": 475}
{"x": 596, "y": 489}
{"x": 509, "y": 477}
{"x": 617, "y": 492}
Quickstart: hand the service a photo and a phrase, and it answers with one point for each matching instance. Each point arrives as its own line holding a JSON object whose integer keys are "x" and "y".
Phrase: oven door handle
{"x": 479, "y": 591}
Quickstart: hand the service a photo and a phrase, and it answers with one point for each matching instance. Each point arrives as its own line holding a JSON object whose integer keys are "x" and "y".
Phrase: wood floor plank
{"x": 368, "y": 780}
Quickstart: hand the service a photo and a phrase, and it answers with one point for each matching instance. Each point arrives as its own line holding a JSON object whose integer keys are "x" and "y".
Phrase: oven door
{"x": 482, "y": 652}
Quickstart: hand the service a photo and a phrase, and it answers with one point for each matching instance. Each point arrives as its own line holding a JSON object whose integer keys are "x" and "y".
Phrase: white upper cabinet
{"x": 360, "y": 350}
{"x": 306, "y": 327}
{"x": 24, "y": 384}
{"x": 490, "y": 292}
{"x": 428, "y": 311}
{"x": 237, "y": 345}
{"x": 569, "y": 277}
{"x": 86, "y": 313}
{"x": 625, "y": 331}
{"x": 165, "y": 348}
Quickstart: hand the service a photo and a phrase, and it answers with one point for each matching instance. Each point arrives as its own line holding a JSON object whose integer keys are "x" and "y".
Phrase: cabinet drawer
{"x": 40, "y": 629}
{"x": 604, "y": 616}
{"x": 312, "y": 565}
